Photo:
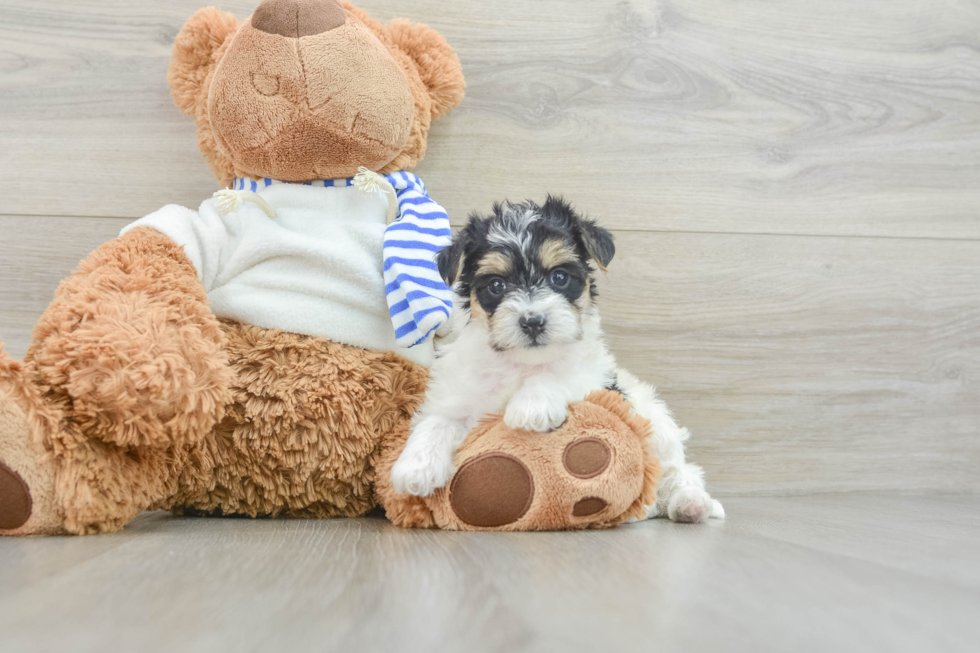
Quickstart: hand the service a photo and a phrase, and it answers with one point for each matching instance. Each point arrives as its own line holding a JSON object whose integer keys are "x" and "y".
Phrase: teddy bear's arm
{"x": 202, "y": 234}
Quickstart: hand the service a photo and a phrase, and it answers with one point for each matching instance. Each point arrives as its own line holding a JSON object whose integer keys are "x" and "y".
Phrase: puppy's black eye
{"x": 497, "y": 287}
{"x": 559, "y": 278}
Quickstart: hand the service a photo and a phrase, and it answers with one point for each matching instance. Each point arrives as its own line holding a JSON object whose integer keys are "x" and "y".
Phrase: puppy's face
{"x": 526, "y": 272}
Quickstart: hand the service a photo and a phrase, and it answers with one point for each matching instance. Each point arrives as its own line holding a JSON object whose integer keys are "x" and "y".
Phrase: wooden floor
{"x": 822, "y": 573}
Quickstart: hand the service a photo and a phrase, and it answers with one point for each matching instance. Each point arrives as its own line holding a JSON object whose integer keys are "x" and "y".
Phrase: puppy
{"x": 525, "y": 338}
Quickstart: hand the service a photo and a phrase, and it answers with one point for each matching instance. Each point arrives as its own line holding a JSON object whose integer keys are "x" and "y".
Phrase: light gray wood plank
{"x": 364, "y": 585}
{"x": 936, "y": 537}
{"x": 800, "y": 364}
{"x": 759, "y": 117}
{"x": 47, "y": 557}
{"x": 806, "y": 364}
{"x": 40, "y": 251}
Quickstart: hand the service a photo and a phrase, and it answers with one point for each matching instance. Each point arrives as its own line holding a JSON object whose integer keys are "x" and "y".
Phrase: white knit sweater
{"x": 314, "y": 269}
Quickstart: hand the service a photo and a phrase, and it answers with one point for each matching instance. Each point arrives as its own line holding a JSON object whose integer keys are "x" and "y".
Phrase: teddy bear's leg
{"x": 129, "y": 366}
{"x": 27, "y": 489}
{"x": 593, "y": 472}
{"x": 301, "y": 437}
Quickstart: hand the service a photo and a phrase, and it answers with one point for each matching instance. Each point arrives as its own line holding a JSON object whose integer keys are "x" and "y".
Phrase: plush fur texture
{"x": 134, "y": 396}
{"x": 131, "y": 358}
{"x": 130, "y": 346}
{"x": 25, "y": 423}
{"x": 315, "y": 107}
{"x": 626, "y": 486}
{"x": 303, "y": 431}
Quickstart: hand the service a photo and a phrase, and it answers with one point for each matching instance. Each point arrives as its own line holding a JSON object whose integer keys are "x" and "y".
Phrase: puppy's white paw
{"x": 537, "y": 408}
{"x": 426, "y": 463}
{"x": 420, "y": 475}
{"x": 692, "y": 505}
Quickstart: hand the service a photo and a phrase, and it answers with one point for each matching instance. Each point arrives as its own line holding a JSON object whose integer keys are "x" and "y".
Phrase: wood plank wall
{"x": 794, "y": 186}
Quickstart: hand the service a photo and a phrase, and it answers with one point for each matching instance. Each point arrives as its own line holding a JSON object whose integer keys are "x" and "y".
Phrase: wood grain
{"x": 710, "y": 116}
{"x": 855, "y": 573}
{"x": 40, "y": 252}
{"x": 807, "y": 364}
{"x": 801, "y": 364}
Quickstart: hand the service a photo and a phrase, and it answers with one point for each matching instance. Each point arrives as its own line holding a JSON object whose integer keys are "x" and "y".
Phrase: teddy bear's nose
{"x": 296, "y": 18}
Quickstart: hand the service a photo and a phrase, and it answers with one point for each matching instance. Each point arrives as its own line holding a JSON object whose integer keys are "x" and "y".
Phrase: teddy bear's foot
{"x": 28, "y": 504}
{"x": 573, "y": 487}
{"x": 594, "y": 471}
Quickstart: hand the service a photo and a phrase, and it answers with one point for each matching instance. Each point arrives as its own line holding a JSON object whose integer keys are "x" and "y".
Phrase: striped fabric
{"x": 255, "y": 185}
{"x": 418, "y": 299}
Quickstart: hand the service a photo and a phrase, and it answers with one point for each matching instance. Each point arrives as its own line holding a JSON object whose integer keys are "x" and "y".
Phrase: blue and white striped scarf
{"x": 419, "y": 301}
{"x": 255, "y": 185}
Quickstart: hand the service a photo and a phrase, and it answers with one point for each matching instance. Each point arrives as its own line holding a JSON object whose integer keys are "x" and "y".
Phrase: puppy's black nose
{"x": 533, "y": 325}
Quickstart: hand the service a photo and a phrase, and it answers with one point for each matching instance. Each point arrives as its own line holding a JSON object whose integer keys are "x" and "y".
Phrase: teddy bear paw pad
{"x": 15, "y": 499}
{"x": 588, "y": 506}
{"x": 586, "y": 457}
{"x": 593, "y": 472}
{"x": 491, "y": 490}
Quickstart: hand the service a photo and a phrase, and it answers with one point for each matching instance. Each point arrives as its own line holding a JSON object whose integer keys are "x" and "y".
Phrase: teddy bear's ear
{"x": 438, "y": 65}
{"x": 193, "y": 54}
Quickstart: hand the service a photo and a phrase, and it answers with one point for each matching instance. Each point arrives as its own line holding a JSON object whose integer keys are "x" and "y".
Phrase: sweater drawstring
{"x": 228, "y": 201}
{"x": 371, "y": 182}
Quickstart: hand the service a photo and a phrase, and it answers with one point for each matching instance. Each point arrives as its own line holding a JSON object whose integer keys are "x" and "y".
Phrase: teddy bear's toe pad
{"x": 586, "y": 457}
{"x": 491, "y": 490}
{"x": 589, "y": 506}
{"x": 593, "y": 471}
{"x": 28, "y": 502}
{"x": 15, "y": 499}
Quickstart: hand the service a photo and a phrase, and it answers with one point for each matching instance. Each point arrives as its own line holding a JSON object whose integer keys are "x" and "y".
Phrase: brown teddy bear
{"x": 264, "y": 355}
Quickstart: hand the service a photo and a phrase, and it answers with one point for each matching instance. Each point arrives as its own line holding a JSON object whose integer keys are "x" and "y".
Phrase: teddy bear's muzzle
{"x": 297, "y": 18}
{"x": 319, "y": 106}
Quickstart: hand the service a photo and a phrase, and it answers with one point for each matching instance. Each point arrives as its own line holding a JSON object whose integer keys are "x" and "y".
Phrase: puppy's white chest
{"x": 505, "y": 378}
{"x": 501, "y": 382}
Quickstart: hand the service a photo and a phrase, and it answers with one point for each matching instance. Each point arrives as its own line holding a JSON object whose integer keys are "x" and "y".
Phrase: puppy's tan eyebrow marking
{"x": 476, "y": 310}
{"x": 495, "y": 263}
{"x": 555, "y": 251}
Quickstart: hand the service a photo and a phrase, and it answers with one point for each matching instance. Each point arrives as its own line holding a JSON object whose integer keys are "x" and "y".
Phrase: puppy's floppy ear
{"x": 450, "y": 260}
{"x": 598, "y": 242}
{"x": 193, "y": 55}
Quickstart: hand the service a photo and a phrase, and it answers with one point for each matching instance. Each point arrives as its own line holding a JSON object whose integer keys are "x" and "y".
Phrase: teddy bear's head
{"x": 311, "y": 89}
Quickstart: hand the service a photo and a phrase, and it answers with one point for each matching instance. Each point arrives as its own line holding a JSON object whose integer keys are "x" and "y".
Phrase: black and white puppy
{"x": 526, "y": 339}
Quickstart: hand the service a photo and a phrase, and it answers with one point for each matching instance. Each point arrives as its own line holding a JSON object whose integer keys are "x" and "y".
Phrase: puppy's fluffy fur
{"x": 526, "y": 339}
